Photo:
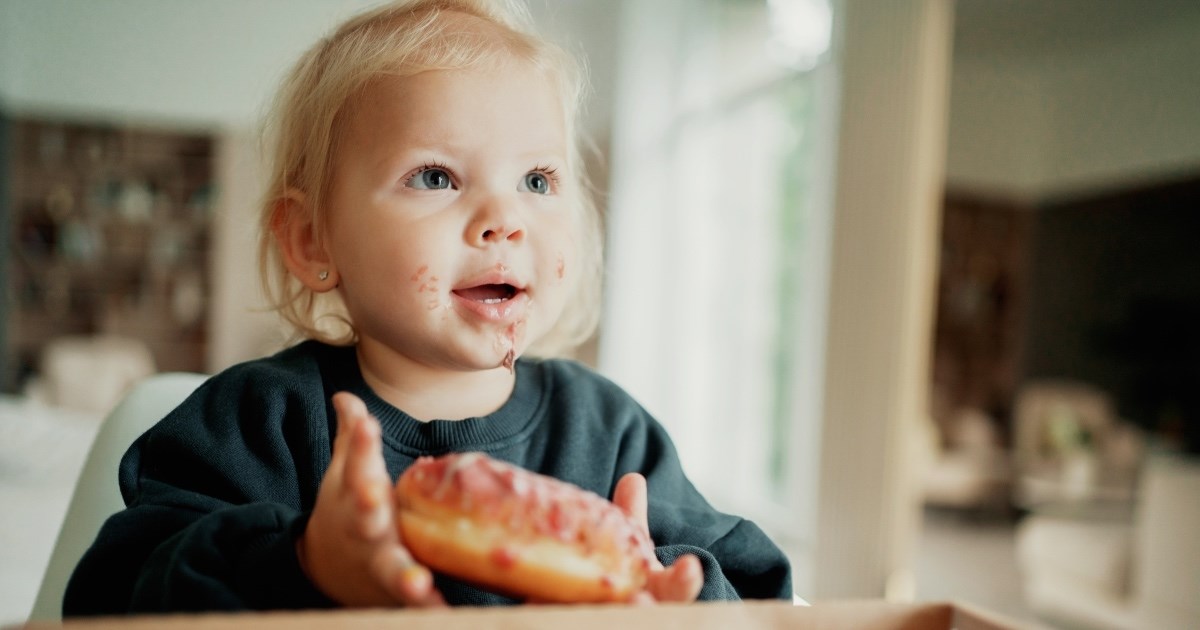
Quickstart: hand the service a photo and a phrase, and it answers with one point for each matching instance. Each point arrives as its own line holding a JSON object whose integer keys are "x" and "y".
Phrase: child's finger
{"x": 680, "y": 582}
{"x": 630, "y": 496}
{"x": 344, "y": 407}
{"x": 406, "y": 580}
{"x": 367, "y": 484}
{"x": 364, "y": 479}
{"x": 364, "y": 462}
{"x": 363, "y": 457}
{"x": 642, "y": 598}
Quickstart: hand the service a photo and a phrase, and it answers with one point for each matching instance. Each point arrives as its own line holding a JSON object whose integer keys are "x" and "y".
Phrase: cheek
{"x": 426, "y": 286}
{"x": 568, "y": 257}
{"x": 568, "y": 269}
{"x": 387, "y": 272}
{"x": 424, "y": 282}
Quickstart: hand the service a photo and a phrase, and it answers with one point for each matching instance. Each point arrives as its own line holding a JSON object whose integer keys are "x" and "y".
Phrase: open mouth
{"x": 488, "y": 293}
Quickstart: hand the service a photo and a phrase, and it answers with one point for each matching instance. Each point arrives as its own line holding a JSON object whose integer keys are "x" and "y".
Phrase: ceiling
{"x": 989, "y": 28}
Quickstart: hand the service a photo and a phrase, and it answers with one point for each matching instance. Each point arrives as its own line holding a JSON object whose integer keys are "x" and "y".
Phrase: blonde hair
{"x": 402, "y": 39}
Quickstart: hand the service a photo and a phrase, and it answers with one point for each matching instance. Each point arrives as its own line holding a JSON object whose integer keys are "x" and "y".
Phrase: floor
{"x": 970, "y": 559}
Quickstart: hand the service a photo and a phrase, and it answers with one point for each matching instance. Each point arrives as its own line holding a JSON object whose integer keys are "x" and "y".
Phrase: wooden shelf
{"x": 110, "y": 234}
{"x": 982, "y": 294}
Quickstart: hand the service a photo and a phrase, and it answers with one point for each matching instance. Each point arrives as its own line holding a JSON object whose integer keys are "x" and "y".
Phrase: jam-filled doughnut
{"x": 518, "y": 532}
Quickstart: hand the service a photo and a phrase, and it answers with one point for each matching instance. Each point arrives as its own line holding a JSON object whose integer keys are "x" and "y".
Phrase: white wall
{"x": 8, "y": 70}
{"x": 213, "y": 63}
{"x": 1126, "y": 113}
{"x": 1055, "y": 120}
{"x": 210, "y": 63}
{"x": 998, "y": 127}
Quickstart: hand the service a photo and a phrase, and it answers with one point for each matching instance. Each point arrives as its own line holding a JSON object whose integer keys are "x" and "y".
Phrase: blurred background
{"x": 914, "y": 285}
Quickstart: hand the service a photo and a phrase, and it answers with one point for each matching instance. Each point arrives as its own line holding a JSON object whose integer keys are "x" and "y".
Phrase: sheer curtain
{"x": 718, "y": 249}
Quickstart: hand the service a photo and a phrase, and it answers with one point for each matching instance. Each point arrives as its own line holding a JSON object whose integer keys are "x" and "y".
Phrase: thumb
{"x": 630, "y": 497}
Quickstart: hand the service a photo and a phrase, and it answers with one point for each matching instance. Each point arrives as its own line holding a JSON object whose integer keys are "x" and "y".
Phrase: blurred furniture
{"x": 1070, "y": 447}
{"x": 1089, "y": 572}
{"x": 982, "y": 295}
{"x": 97, "y": 495}
{"x": 971, "y": 471}
{"x": 110, "y": 229}
{"x": 90, "y": 373}
{"x": 1167, "y": 546}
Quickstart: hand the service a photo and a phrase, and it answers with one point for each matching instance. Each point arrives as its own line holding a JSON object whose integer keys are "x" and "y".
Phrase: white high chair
{"x": 96, "y": 495}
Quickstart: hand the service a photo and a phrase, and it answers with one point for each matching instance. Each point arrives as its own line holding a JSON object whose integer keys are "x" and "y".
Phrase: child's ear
{"x": 304, "y": 256}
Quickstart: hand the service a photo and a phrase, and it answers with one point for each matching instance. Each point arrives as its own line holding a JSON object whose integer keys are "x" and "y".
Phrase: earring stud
{"x": 323, "y": 275}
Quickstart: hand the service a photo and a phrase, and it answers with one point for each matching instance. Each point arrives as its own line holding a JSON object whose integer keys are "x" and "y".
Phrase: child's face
{"x": 452, "y": 220}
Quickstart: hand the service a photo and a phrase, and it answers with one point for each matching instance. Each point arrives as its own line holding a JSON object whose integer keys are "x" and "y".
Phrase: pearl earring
{"x": 323, "y": 275}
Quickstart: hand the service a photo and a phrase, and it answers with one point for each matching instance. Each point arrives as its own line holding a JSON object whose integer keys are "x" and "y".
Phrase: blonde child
{"x": 427, "y": 224}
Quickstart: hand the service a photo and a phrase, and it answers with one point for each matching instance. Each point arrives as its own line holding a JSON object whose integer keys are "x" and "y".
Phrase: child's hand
{"x": 681, "y": 582}
{"x": 351, "y": 549}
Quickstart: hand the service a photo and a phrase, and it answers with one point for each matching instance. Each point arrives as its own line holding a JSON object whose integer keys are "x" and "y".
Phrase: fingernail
{"x": 416, "y": 580}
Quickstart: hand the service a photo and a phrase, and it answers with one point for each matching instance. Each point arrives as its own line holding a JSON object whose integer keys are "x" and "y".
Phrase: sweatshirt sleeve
{"x": 216, "y": 495}
{"x": 739, "y": 560}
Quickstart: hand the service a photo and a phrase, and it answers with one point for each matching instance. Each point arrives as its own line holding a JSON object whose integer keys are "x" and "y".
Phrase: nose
{"x": 495, "y": 220}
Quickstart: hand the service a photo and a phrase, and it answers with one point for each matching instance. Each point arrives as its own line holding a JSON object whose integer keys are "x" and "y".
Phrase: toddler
{"x": 428, "y": 224}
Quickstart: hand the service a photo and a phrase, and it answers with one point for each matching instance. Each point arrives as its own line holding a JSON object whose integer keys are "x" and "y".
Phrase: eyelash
{"x": 428, "y": 166}
{"x": 550, "y": 172}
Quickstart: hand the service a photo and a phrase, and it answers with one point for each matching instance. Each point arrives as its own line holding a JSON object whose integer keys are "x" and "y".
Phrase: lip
{"x": 491, "y": 276}
{"x": 512, "y": 308}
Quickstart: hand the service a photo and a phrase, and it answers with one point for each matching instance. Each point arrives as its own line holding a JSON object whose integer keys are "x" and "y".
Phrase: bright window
{"x": 718, "y": 244}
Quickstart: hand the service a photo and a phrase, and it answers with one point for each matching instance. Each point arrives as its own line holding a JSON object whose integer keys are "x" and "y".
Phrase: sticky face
{"x": 450, "y": 210}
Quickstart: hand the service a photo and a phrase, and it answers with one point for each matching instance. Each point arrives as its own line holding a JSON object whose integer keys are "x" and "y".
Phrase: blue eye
{"x": 536, "y": 182}
{"x": 430, "y": 178}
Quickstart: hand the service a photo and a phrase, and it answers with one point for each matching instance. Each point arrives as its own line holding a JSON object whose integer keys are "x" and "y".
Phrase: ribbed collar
{"x": 509, "y": 424}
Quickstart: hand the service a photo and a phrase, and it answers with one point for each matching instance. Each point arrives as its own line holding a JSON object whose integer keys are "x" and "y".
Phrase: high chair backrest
{"x": 96, "y": 495}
